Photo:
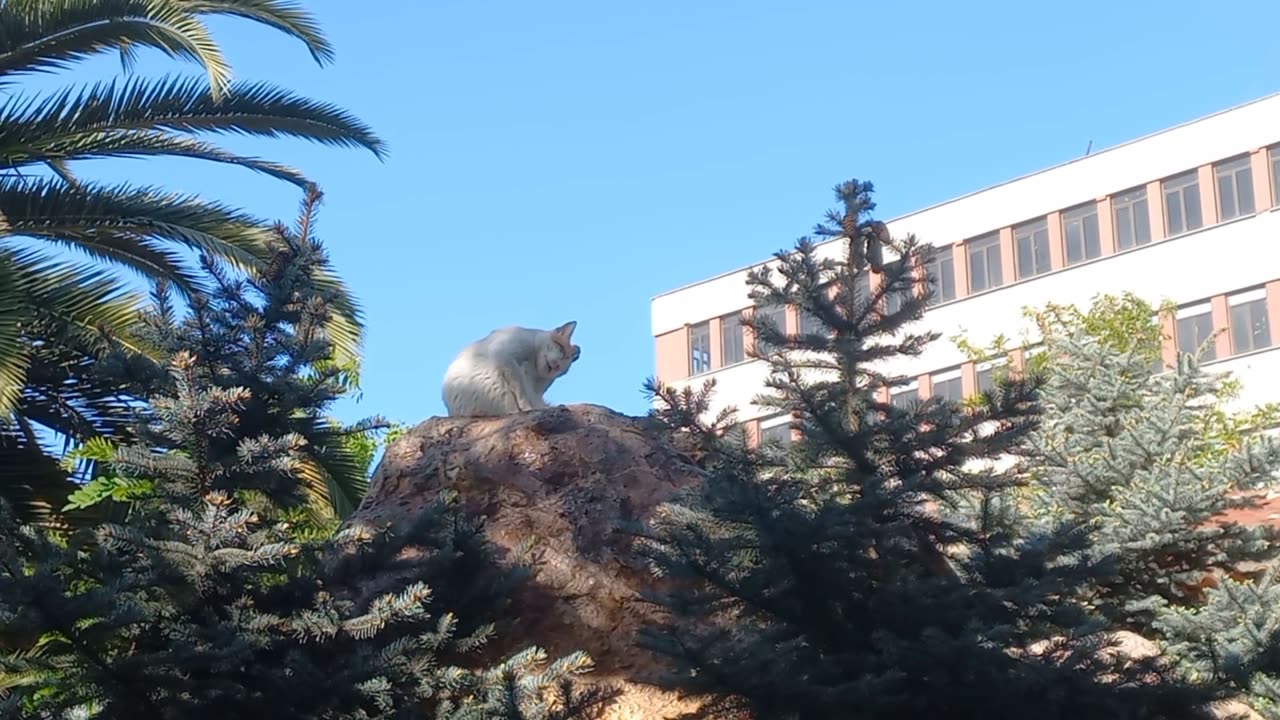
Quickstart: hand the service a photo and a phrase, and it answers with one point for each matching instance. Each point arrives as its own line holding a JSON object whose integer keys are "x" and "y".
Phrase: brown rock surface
{"x": 565, "y": 476}
{"x": 1123, "y": 645}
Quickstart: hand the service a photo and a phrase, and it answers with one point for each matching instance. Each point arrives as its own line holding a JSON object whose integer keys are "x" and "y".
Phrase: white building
{"x": 1186, "y": 214}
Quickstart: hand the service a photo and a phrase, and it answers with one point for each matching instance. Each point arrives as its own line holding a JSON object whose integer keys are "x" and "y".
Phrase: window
{"x": 894, "y": 300}
{"x": 1235, "y": 188}
{"x": 1274, "y": 155}
{"x": 700, "y": 348}
{"x": 1080, "y": 233}
{"x": 775, "y": 315}
{"x": 947, "y": 385}
{"x": 1182, "y": 203}
{"x": 987, "y": 375}
{"x": 1250, "y": 326}
{"x": 779, "y": 434}
{"x": 1031, "y": 242}
{"x": 1132, "y": 218}
{"x": 1195, "y": 326}
{"x": 1033, "y": 356}
{"x": 941, "y": 276}
{"x": 984, "y": 263}
{"x": 732, "y": 345}
{"x": 903, "y": 397}
{"x": 809, "y": 323}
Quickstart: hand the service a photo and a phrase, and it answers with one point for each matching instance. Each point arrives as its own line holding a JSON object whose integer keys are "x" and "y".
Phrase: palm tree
{"x": 58, "y": 317}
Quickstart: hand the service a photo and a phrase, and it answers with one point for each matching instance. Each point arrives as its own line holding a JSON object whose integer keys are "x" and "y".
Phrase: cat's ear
{"x": 566, "y": 330}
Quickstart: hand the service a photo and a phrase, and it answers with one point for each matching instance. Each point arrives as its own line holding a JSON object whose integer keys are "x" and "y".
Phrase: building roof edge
{"x": 958, "y": 198}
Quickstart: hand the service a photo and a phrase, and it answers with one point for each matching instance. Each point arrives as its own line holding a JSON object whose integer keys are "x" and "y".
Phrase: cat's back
{"x": 476, "y": 382}
{"x": 499, "y": 343}
{"x": 503, "y": 346}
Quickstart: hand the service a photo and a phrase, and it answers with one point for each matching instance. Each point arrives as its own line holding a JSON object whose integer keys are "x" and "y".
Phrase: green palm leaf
{"x": 141, "y": 144}
{"x": 73, "y": 122}
{"x": 46, "y": 35}
{"x": 108, "y": 222}
{"x": 345, "y": 328}
{"x": 63, "y": 306}
{"x": 13, "y": 354}
{"x": 343, "y": 470}
{"x": 60, "y": 322}
{"x": 287, "y": 17}
{"x": 85, "y": 302}
{"x": 34, "y": 483}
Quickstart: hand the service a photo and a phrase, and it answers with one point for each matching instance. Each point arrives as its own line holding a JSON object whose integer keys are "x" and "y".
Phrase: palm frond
{"x": 56, "y": 151}
{"x": 60, "y": 168}
{"x": 68, "y": 317}
{"x": 287, "y": 17}
{"x": 322, "y": 502}
{"x": 11, "y": 679}
{"x": 108, "y": 222}
{"x": 81, "y": 300}
{"x": 149, "y": 258}
{"x": 335, "y": 471}
{"x": 49, "y": 35}
{"x": 13, "y": 353}
{"x": 73, "y": 404}
{"x": 345, "y": 477}
{"x": 73, "y": 120}
{"x": 345, "y": 327}
{"x": 33, "y": 483}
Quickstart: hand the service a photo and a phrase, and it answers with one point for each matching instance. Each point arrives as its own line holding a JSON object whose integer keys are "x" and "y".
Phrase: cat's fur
{"x": 508, "y": 370}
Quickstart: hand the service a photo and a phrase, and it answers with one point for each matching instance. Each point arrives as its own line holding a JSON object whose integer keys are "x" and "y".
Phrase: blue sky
{"x": 569, "y": 160}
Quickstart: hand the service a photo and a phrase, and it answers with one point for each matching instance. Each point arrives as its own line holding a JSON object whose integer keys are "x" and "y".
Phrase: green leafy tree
{"x": 58, "y": 316}
{"x": 822, "y": 581}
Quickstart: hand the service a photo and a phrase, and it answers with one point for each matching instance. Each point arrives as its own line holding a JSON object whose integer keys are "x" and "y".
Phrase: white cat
{"x": 508, "y": 370}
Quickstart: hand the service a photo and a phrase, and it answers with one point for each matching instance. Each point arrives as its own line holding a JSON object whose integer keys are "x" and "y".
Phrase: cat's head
{"x": 558, "y": 353}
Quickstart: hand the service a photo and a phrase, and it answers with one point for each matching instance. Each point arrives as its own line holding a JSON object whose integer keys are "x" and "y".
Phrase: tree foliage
{"x": 268, "y": 333}
{"x": 200, "y": 606}
{"x": 58, "y": 315}
{"x": 204, "y": 599}
{"x": 823, "y": 581}
{"x": 1151, "y": 458}
{"x": 1123, "y": 451}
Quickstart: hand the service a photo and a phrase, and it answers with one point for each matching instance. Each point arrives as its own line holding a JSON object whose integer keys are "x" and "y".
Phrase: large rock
{"x": 566, "y": 477}
{"x": 1126, "y": 647}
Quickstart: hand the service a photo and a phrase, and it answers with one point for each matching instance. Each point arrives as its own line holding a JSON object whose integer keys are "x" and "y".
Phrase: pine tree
{"x": 269, "y": 333}
{"x": 1233, "y": 637}
{"x": 1134, "y": 456}
{"x": 823, "y": 582}
{"x": 202, "y": 600}
{"x": 195, "y": 608}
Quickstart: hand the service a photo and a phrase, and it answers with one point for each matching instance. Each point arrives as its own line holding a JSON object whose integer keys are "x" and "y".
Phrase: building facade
{"x": 1190, "y": 214}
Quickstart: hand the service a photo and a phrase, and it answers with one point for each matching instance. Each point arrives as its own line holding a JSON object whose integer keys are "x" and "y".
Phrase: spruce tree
{"x": 269, "y": 333}
{"x": 824, "y": 582}
{"x": 202, "y": 600}
{"x": 1232, "y": 637}
{"x": 1139, "y": 458}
